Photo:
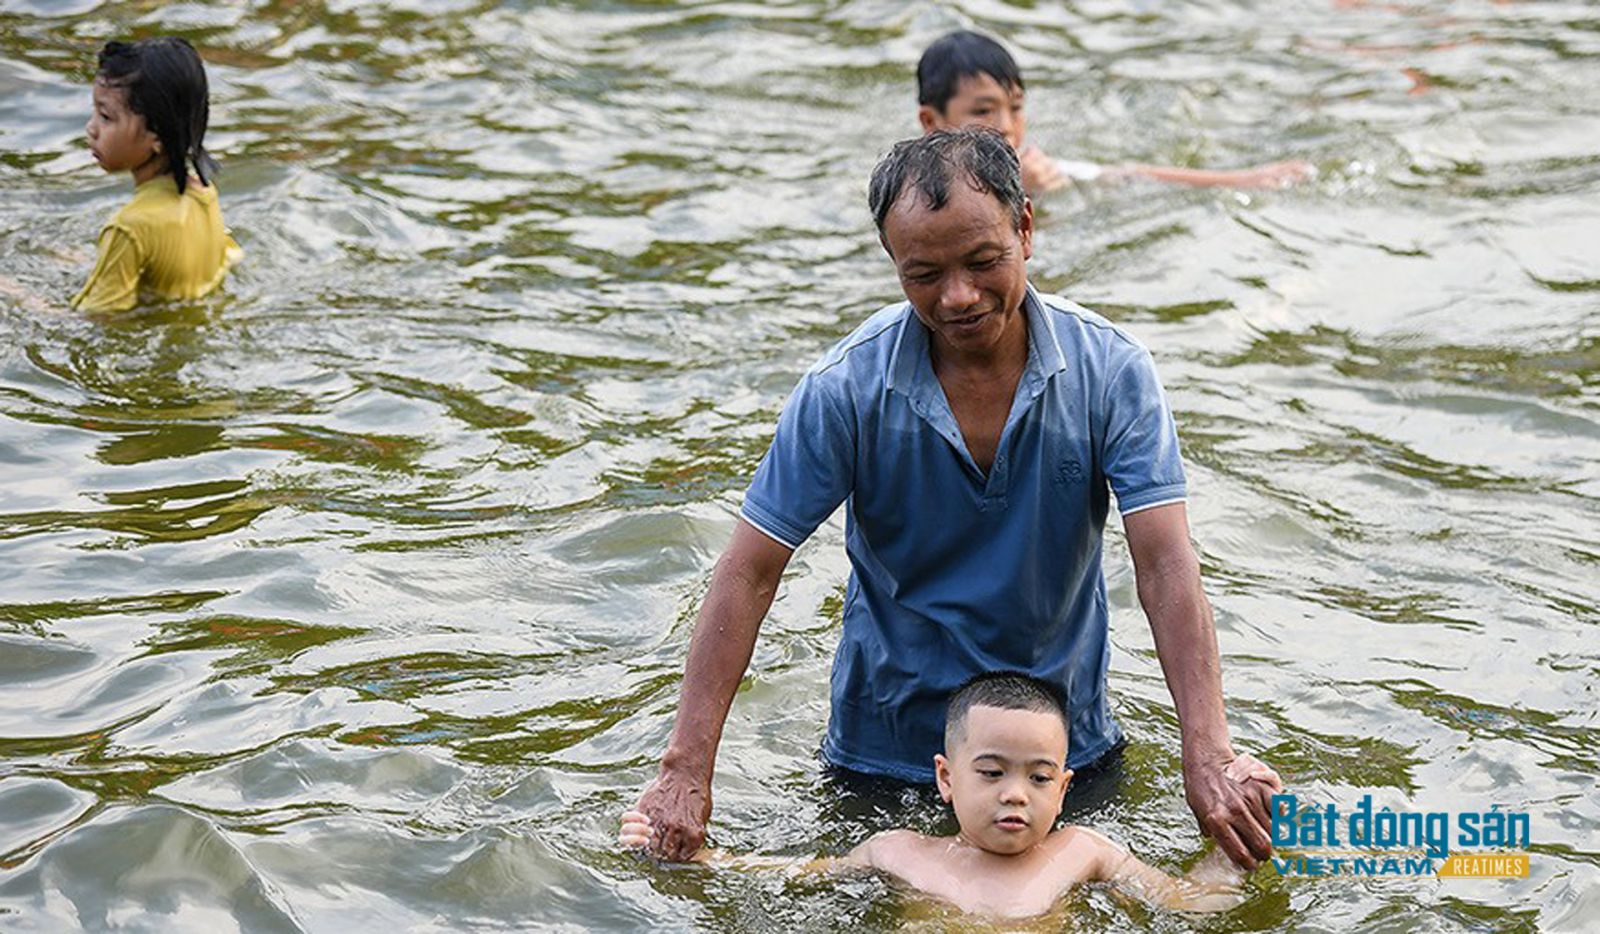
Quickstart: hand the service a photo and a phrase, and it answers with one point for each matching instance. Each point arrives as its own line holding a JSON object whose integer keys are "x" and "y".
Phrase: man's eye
{"x": 986, "y": 263}
{"x": 989, "y": 773}
{"x": 1041, "y": 779}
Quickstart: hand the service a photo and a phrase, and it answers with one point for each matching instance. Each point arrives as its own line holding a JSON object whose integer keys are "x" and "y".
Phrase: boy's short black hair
{"x": 1007, "y": 690}
{"x": 165, "y": 82}
{"x": 960, "y": 55}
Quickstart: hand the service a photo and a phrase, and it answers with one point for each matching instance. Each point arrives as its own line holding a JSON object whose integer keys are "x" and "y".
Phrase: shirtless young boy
{"x": 1005, "y": 741}
{"x": 966, "y": 78}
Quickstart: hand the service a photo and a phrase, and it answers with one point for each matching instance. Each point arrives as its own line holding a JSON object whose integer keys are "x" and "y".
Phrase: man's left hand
{"x": 1231, "y": 797}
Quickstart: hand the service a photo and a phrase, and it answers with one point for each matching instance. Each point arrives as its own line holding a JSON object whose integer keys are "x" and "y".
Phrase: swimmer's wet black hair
{"x": 1007, "y": 690}
{"x": 165, "y": 82}
{"x": 963, "y": 54}
{"x": 978, "y": 156}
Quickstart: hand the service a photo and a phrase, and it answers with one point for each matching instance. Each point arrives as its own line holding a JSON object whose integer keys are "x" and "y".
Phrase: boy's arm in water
{"x": 1271, "y": 175}
{"x": 1041, "y": 173}
{"x": 1212, "y": 885}
{"x": 637, "y": 831}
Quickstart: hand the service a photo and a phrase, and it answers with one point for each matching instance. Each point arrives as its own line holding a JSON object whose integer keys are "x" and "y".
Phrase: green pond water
{"x": 356, "y": 598}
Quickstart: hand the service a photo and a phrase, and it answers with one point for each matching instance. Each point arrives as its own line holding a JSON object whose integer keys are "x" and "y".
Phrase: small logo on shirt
{"x": 1069, "y": 471}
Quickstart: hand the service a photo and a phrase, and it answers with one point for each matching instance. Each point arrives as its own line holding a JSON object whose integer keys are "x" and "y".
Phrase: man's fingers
{"x": 1267, "y": 777}
{"x": 1229, "y": 841}
{"x": 1259, "y": 801}
{"x": 666, "y": 842}
{"x": 1247, "y": 816}
{"x": 676, "y": 843}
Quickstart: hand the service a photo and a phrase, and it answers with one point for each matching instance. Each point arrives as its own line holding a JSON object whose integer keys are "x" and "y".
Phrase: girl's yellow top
{"x": 161, "y": 242}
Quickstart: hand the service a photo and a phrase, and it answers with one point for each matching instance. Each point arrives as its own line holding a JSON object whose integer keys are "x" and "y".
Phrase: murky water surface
{"x": 357, "y": 598}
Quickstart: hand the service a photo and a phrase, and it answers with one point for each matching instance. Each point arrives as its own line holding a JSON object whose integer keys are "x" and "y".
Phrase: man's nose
{"x": 959, "y": 293}
{"x": 1013, "y": 792}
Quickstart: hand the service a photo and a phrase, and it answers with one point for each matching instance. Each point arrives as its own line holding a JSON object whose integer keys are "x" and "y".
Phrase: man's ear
{"x": 930, "y": 119}
{"x": 1025, "y": 228}
{"x": 1066, "y": 781}
{"x": 941, "y": 775}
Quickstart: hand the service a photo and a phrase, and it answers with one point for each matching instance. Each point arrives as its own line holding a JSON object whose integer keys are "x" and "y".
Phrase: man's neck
{"x": 1006, "y": 358}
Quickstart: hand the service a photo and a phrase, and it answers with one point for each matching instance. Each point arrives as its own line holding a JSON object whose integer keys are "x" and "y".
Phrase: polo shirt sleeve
{"x": 809, "y": 469}
{"x": 1140, "y": 456}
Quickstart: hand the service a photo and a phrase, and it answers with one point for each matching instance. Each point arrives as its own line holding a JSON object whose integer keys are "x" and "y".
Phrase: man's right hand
{"x": 677, "y": 807}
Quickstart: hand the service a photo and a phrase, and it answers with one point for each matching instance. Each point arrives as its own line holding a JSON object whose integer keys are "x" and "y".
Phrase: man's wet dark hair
{"x": 963, "y": 54}
{"x": 928, "y": 165}
{"x": 165, "y": 82}
{"x": 1007, "y": 690}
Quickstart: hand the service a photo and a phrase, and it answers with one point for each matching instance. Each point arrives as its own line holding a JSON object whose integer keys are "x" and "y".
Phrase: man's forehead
{"x": 969, "y": 220}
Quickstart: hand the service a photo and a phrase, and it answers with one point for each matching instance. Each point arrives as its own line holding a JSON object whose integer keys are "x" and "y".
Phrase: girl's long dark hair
{"x": 165, "y": 83}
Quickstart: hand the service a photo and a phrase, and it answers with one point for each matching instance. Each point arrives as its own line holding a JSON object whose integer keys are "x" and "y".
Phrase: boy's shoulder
{"x": 1094, "y": 848}
{"x": 900, "y": 840}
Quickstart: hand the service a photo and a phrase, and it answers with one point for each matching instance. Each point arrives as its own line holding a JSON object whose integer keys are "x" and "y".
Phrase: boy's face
{"x": 118, "y": 137}
{"x": 1005, "y": 777}
{"x": 979, "y": 99}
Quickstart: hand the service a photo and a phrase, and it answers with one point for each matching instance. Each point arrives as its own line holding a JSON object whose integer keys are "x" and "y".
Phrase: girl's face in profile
{"x": 118, "y": 137}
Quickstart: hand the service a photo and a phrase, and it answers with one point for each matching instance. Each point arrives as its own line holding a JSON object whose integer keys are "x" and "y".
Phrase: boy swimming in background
{"x": 966, "y": 78}
{"x": 150, "y": 113}
{"x": 1002, "y": 770}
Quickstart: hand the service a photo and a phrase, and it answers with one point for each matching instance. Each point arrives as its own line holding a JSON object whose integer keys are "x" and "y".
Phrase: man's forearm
{"x": 1186, "y": 642}
{"x": 741, "y": 592}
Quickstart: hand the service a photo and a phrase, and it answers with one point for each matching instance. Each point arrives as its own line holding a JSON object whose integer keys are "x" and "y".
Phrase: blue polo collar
{"x": 911, "y": 368}
{"x": 911, "y": 375}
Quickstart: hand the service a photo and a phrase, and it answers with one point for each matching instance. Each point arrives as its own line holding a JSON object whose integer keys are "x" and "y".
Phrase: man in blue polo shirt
{"x": 978, "y": 432}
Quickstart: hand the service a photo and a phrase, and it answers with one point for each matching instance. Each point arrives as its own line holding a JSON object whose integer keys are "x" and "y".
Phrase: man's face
{"x": 980, "y": 100}
{"x": 118, "y": 137}
{"x": 962, "y": 267}
{"x": 1005, "y": 777}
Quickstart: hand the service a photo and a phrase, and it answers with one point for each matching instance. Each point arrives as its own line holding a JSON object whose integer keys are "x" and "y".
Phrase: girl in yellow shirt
{"x": 150, "y": 114}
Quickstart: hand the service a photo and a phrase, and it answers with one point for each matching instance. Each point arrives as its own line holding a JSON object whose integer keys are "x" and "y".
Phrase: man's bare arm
{"x": 1230, "y": 807}
{"x": 678, "y": 802}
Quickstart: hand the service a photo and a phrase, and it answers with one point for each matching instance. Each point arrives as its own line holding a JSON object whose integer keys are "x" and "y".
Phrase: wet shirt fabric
{"x": 954, "y": 571}
{"x": 163, "y": 243}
